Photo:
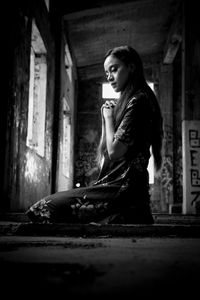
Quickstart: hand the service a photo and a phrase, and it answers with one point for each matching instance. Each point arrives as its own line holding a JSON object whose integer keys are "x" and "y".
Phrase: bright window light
{"x": 151, "y": 160}
{"x": 151, "y": 170}
{"x": 37, "y": 93}
{"x": 151, "y": 84}
{"x": 108, "y": 92}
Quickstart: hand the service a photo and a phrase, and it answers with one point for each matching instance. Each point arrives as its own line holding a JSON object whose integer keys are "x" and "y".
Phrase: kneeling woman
{"x": 131, "y": 126}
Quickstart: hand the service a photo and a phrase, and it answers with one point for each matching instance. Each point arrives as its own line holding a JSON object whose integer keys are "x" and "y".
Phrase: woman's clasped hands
{"x": 108, "y": 108}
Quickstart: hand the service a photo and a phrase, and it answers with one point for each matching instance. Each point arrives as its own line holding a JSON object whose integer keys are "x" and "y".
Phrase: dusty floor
{"x": 91, "y": 268}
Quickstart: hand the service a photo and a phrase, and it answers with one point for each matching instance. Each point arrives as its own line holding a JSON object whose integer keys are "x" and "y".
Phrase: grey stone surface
{"x": 92, "y": 268}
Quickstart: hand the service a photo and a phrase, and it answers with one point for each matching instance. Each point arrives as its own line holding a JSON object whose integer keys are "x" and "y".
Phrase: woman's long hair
{"x": 136, "y": 80}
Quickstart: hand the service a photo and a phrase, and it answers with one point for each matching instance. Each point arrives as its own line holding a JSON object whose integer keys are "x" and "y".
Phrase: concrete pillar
{"x": 191, "y": 109}
{"x": 166, "y": 103}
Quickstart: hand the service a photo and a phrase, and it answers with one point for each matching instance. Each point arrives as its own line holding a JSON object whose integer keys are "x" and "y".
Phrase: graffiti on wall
{"x": 167, "y": 167}
{"x": 194, "y": 142}
{"x": 191, "y": 172}
{"x": 166, "y": 177}
{"x": 178, "y": 175}
{"x": 168, "y": 138}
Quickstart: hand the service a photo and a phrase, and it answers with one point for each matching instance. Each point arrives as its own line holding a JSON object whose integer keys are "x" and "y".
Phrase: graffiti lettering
{"x": 194, "y": 140}
{"x": 195, "y": 178}
{"x": 191, "y": 166}
{"x": 194, "y": 143}
{"x": 197, "y": 195}
{"x": 194, "y": 158}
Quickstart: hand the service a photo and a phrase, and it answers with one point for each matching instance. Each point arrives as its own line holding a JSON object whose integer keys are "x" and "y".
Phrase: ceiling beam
{"x": 173, "y": 40}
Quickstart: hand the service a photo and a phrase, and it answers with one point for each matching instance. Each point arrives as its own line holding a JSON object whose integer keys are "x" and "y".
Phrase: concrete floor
{"x": 92, "y": 268}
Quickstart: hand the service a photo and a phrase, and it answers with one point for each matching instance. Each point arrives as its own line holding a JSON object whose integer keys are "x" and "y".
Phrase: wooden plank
{"x": 173, "y": 40}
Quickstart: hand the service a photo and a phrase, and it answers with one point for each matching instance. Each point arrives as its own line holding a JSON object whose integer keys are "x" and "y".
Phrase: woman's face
{"x": 117, "y": 73}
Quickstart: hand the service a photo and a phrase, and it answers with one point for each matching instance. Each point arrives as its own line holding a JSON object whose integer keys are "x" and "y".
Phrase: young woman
{"x": 131, "y": 126}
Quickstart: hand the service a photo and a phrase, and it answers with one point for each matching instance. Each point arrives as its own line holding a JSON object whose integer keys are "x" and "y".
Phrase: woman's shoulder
{"x": 137, "y": 98}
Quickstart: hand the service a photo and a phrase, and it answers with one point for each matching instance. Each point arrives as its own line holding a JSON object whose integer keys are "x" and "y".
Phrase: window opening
{"x": 151, "y": 170}
{"x": 68, "y": 62}
{"x": 151, "y": 160}
{"x": 47, "y": 4}
{"x": 108, "y": 92}
{"x": 66, "y": 138}
{"x": 37, "y": 93}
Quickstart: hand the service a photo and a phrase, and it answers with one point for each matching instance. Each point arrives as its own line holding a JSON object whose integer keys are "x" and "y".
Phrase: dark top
{"x": 135, "y": 130}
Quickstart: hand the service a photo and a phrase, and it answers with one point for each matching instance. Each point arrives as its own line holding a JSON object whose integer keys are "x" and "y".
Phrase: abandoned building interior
{"x": 51, "y": 124}
{"x": 55, "y": 88}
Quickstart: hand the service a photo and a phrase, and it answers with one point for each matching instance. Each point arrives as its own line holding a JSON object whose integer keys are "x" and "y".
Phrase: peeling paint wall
{"x": 28, "y": 175}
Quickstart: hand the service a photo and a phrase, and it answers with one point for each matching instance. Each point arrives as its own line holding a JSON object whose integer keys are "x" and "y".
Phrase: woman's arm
{"x": 115, "y": 148}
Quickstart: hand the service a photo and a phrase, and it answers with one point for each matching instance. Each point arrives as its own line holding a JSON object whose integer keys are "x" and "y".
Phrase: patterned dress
{"x": 121, "y": 192}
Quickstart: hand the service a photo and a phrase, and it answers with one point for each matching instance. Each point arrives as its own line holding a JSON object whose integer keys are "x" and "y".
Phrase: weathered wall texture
{"x": 28, "y": 175}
